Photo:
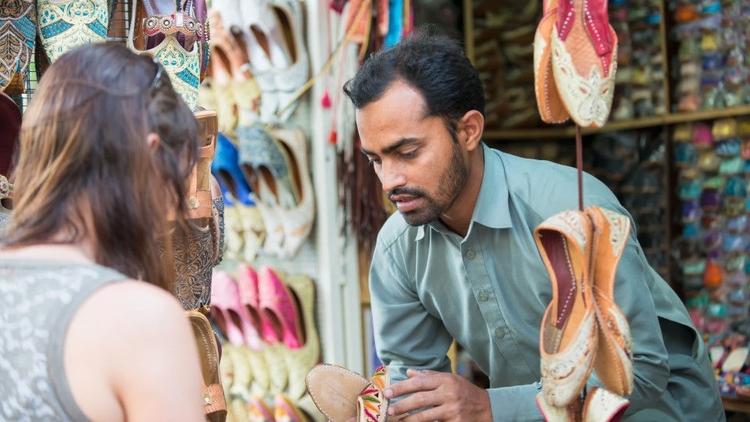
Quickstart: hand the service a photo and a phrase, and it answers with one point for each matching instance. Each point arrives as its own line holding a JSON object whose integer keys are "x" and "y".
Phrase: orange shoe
{"x": 603, "y": 406}
{"x": 551, "y": 108}
{"x": 614, "y": 360}
{"x": 568, "y": 337}
{"x": 584, "y": 60}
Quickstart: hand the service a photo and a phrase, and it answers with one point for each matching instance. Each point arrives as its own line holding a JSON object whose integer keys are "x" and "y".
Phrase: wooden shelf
{"x": 733, "y": 405}
{"x": 568, "y": 130}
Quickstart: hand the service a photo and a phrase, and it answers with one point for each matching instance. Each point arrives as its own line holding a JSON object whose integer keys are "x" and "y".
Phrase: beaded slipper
{"x": 584, "y": 60}
{"x": 568, "y": 337}
{"x": 614, "y": 359}
{"x": 551, "y": 108}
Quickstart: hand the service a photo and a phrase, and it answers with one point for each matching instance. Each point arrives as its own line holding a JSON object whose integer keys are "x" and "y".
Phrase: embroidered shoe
{"x": 603, "y": 406}
{"x": 551, "y": 108}
{"x": 584, "y": 60}
{"x": 64, "y": 25}
{"x": 17, "y": 32}
{"x": 343, "y": 395}
{"x": 568, "y": 336}
{"x": 180, "y": 55}
{"x": 614, "y": 358}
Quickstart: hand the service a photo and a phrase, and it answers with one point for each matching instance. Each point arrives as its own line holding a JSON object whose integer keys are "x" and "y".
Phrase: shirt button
{"x": 499, "y": 333}
{"x": 483, "y": 296}
{"x": 470, "y": 255}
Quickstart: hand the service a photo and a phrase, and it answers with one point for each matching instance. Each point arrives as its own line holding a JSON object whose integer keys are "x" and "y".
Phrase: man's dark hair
{"x": 435, "y": 66}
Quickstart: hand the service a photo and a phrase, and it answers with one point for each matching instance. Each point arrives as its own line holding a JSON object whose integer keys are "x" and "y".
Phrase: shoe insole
{"x": 567, "y": 300}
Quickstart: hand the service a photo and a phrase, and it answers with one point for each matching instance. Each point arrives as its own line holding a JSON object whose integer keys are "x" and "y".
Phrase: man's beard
{"x": 451, "y": 183}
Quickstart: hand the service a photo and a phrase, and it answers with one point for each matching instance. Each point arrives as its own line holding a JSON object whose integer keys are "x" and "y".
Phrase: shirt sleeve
{"x": 516, "y": 403}
{"x": 633, "y": 295}
{"x": 406, "y": 335}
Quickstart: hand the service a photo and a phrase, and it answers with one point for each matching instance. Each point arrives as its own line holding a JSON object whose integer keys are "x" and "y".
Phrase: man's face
{"x": 421, "y": 166}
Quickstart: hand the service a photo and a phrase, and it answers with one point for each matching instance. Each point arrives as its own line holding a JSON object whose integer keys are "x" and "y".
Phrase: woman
{"x": 80, "y": 338}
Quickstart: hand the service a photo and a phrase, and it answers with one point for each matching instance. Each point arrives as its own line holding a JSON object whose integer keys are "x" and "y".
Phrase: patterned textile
{"x": 17, "y": 31}
{"x": 64, "y": 25}
{"x": 37, "y": 301}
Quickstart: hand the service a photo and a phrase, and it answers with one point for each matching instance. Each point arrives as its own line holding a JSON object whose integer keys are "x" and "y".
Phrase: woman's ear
{"x": 472, "y": 126}
{"x": 153, "y": 141}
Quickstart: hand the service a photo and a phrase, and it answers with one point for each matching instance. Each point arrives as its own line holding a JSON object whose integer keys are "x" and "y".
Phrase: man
{"x": 458, "y": 261}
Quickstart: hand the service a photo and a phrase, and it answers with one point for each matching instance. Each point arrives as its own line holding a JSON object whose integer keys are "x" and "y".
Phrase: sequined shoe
{"x": 180, "y": 56}
{"x": 603, "y": 406}
{"x": 17, "y": 32}
{"x": 64, "y": 25}
{"x": 614, "y": 359}
{"x": 568, "y": 336}
{"x": 584, "y": 60}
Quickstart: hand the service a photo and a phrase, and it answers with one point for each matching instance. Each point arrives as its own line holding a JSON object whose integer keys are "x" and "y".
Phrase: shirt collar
{"x": 492, "y": 209}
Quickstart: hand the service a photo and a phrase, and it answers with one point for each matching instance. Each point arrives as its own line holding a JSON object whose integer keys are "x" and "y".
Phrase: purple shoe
{"x": 710, "y": 200}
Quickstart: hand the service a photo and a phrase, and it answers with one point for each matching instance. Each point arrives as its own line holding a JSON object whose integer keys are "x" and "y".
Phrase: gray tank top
{"x": 37, "y": 301}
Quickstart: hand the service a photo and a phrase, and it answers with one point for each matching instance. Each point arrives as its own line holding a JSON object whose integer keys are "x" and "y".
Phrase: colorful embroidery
{"x": 17, "y": 31}
{"x": 68, "y": 24}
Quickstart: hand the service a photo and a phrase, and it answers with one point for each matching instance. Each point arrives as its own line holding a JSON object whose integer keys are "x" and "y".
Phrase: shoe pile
{"x": 266, "y": 324}
{"x": 712, "y": 251}
{"x": 640, "y": 75}
{"x": 713, "y": 54}
{"x": 583, "y": 329}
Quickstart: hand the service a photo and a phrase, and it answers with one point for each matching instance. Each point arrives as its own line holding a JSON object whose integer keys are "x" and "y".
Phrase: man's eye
{"x": 374, "y": 161}
{"x": 409, "y": 154}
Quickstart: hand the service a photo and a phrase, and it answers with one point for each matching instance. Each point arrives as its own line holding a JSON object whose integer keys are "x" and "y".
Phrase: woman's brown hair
{"x": 83, "y": 144}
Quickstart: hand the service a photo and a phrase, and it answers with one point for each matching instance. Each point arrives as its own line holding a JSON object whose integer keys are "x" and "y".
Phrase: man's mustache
{"x": 417, "y": 193}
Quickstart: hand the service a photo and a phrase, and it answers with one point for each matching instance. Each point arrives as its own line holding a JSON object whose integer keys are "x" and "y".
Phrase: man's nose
{"x": 392, "y": 176}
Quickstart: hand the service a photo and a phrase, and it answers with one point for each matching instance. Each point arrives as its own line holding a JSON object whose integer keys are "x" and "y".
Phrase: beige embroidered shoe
{"x": 568, "y": 336}
{"x": 614, "y": 360}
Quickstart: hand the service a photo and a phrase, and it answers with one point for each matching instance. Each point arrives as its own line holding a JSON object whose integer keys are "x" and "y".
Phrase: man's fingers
{"x": 414, "y": 402}
{"x": 423, "y": 382}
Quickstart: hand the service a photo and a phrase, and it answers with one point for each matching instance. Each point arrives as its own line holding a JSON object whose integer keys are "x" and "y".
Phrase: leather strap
{"x": 213, "y": 399}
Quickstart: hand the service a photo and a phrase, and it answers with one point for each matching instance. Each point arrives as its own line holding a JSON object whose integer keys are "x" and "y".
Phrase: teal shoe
{"x": 733, "y": 165}
{"x": 64, "y": 25}
{"x": 17, "y": 32}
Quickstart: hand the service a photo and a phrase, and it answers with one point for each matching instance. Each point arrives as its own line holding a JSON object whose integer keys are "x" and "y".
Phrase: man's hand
{"x": 447, "y": 397}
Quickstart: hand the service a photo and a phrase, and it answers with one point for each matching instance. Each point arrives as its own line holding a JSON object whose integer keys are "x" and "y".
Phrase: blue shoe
{"x": 729, "y": 148}
{"x": 735, "y": 187}
{"x": 226, "y": 168}
{"x": 690, "y": 189}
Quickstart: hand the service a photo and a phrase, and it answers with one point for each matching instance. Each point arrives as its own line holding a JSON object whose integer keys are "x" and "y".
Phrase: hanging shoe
{"x": 301, "y": 360}
{"x": 177, "y": 38}
{"x": 214, "y": 402}
{"x": 614, "y": 359}
{"x": 10, "y": 127}
{"x": 603, "y": 406}
{"x": 290, "y": 79}
{"x": 550, "y": 105}
{"x": 17, "y": 32}
{"x": 568, "y": 337}
{"x": 64, "y": 25}
{"x": 298, "y": 220}
{"x": 584, "y": 53}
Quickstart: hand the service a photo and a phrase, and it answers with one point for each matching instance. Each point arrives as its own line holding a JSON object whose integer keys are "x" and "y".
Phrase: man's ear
{"x": 153, "y": 140}
{"x": 471, "y": 125}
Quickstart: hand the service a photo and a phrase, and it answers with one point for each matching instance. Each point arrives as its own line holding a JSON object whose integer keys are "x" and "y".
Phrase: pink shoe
{"x": 278, "y": 307}
{"x": 247, "y": 279}
{"x": 229, "y": 314}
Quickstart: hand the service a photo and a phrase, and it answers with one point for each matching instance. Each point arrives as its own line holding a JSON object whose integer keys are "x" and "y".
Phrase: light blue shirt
{"x": 489, "y": 291}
